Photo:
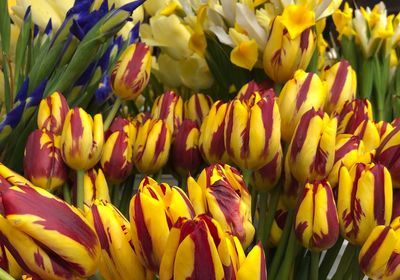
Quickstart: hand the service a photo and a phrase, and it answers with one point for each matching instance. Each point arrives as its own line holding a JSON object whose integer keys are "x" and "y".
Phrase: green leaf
{"x": 5, "y": 27}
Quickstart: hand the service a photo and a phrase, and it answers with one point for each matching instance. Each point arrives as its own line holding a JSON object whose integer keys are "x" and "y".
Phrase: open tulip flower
{"x": 52, "y": 112}
{"x": 353, "y": 114}
{"x": 169, "y": 107}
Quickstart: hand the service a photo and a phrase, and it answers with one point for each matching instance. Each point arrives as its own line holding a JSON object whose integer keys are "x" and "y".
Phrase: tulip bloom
{"x": 265, "y": 89}
{"x": 52, "y": 112}
{"x": 299, "y": 95}
{"x": 82, "y": 139}
{"x": 278, "y": 223}
{"x": 211, "y": 140}
{"x": 254, "y": 266}
{"x": 265, "y": 178}
{"x": 43, "y": 164}
{"x": 152, "y": 146}
{"x": 131, "y": 72}
{"x": 364, "y": 200}
{"x": 221, "y": 192}
{"x": 316, "y": 220}
{"x": 94, "y": 187}
{"x": 353, "y": 114}
{"x": 153, "y": 211}
{"x": 49, "y": 238}
{"x": 197, "y": 107}
{"x": 252, "y": 131}
{"x": 185, "y": 154}
{"x": 8, "y": 263}
{"x": 169, "y": 107}
{"x": 341, "y": 81}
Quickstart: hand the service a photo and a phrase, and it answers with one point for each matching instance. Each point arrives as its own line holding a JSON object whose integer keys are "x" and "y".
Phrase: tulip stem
{"x": 314, "y": 265}
{"x": 79, "y": 188}
{"x": 272, "y": 205}
{"x": 112, "y": 113}
{"x": 262, "y": 218}
{"x": 126, "y": 198}
{"x": 345, "y": 262}
{"x": 66, "y": 194}
{"x": 291, "y": 250}
{"x": 254, "y": 195}
{"x": 4, "y": 275}
{"x": 329, "y": 259}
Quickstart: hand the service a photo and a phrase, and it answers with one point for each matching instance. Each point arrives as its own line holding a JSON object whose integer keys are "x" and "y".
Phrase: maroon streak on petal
{"x": 373, "y": 249}
{"x": 3, "y": 257}
{"x": 349, "y": 145}
{"x": 118, "y": 167}
{"x": 212, "y": 228}
{"x": 267, "y": 113}
{"x": 245, "y": 135}
{"x": 217, "y": 146}
{"x": 167, "y": 100}
{"x": 101, "y": 233}
{"x": 319, "y": 163}
{"x": 263, "y": 264}
{"x": 197, "y": 104}
{"x": 393, "y": 263}
{"x": 301, "y": 97}
{"x": 229, "y": 128}
{"x": 134, "y": 65}
{"x": 379, "y": 193}
{"x": 340, "y": 80}
{"x": 77, "y": 130}
{"x": 187, "y": 201}
{"x": 160, "y": 144}
{"x": 301, "y": 133}
{"x": 304, "y": 39}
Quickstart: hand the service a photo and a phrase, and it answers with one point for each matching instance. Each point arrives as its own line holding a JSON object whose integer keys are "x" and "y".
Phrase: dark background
{"x": 393, "y": 6}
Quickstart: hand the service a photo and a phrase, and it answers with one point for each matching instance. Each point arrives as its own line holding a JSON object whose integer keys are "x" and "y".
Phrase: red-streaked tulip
{"x": 52, "y": 112}
{"x": 252, "y": 131}
{"x": 249, "y": 88}
{"x": 353, "y": 114}
{"x": 265, "y": 178}
{"x": 43, "y": 164}
{"x": 8, "y": 263}
{"x": 316, "y": 221}
{"x": 278, "y": 223}
{"x": 185, "y": 153}
{"x": 368, "y": 132}
{"x": 10, "y": 178}
{"x": 131, "y": 73}
{"x": 82, "y": 139}
{"x": 152, "y": 146}
{"x": 300, "y": 94}
{"x": 341, "y": 82}
{"x": 384, "y": 128}
{"x": 94, "y": 187}
{"x": 211, "y": 140}
{"x": 364, "y": 200}
{"x": 49, "y": 238}
{"x": 169, "y": 107}
{"x": 254, "y": 266}
{"x": 197, "y": 107}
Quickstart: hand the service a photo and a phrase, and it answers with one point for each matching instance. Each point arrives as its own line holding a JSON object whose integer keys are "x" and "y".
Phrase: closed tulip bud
{"x": 151, "y": 147}
{"x": 153, "y": 211}
{"x": 265, "y": 178}
{"x": 169, "y": 107}
{"x": 52, "y": 112}
{"x": 341, "y": 82}
{"x": 353, "y": 114}
{"x": 255, "y": 265}
{"x": 222, "y": 193}
{"x": 94, "y": 187}
{"x": 252, "y": 131}
{"x": 82, "y": 139}
{"x": 364, "y": 200}
{"x": 316, "y": 220}
{"x": 43, "y": 164}
{"x": 211, "y": 140}
{"x": 116, "y": 160}
{"x": 285, "y": 52}
{"x": 278, "y": 223}
{"x": 312, "y": 149}
{"x": 131, "y": 73}
{"x": 299, "y": 95}
{"x": 49, "y": 238}
{"x": 197, "y": 107}
{"x": 185, "y": 153}
{"x": 249, "y": 88}
{"x": 118, "y": 259}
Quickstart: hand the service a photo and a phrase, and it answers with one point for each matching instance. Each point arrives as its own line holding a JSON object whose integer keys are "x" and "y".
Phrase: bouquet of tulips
{"x": 215, "y": 139}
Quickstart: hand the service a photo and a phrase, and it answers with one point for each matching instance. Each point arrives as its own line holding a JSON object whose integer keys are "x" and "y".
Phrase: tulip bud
{"x": 52, "y": 112}
{"x": 185, "y": 154}
{"x": 49, "y": 238}
{"x": 278, "y": 223}
{"x": 255, "y": 265}
{"x": 221, "y": 193}
{"x": 131, "y": 72}
{"x": 82, "y": 139}
{"x": 249, "y": 88}
{"x": 353, "y": 114}
{"x": 94, "y": 187}
{"x": 151, "y": 147}
{"x": 116, "y": 160}
{"x": 118, "y": 259}
{"x": 252, "y": 131}
{"x": 341, "y": 82}
{"x": 316, "y": 220}
{"x": 364, "y": 200}
{"x": 153, "y": 211}
{"x": 211, "y": 140}
{"x": 168, "y": 107}
{"x": 265, "y": 178}
{"x": 197, "y": 107}
{"x": 312, "y": 149}
{"x": 43, "y": 164}
{"x": 299, "y": 95}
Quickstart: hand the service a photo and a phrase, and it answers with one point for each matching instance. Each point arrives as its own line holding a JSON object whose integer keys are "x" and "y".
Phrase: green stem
{"x": 4, "y": 275}
{"x": 262, "y": 219}
{"x": 114, "y": 194}
{"x": 356, "y": 271}
{"x": 253, "y": 204}
{"x": 314, "y": 265}
{"x": 273, "y": 205}
{"x": 345, "y": 263}
{"x": 66, "y": 194}
{"x": 125, "y": 200}
{"x": 289, "y": 257}
{"x": 329, "y": 259}
{"x": 184, "y": 183}
{"x": 112, "y": 113}
{"x": 79, "y": 189}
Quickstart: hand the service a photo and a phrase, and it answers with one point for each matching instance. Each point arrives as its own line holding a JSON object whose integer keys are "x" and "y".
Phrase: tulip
{"x": 197, "y": 107}
{"x": 49, "y": 238}
{"x": 254, "y": 266}
{"x": 353, "y": 114}
{"x": 299, "y": 95}
{"x": 312, "y": 149}
{"x": 316, "y": 220}
{"x": 52, "y": 112}
{"x": 118, "y": 259}
{"x": 152, "y": 145}
{"x": 169, "y": 107}
{"x": 131, "y": 72}
{"x": 10, "y": 178}
{"x": 211, "y": 140}
{"x": 153, "y": 211}
{"x": 95, "y": 187}
{"x": 252, "y": 131}
{"x": 185, "y": 154}
{"x": 43, "y": 164}
{"x": 82, "y": 139}
{"x": 289, "y": 46}
{"x": 384, "y": 128}
{"x": 265, "y": 178}
{"x": 221, "y": 193}
{"x": 364, "y": 200}
{"x": 116, "y": 160}
{"x": 341, "y": 82}
{"x": 278, "y": 223}
{"x": 265, "y": 89}
{"x": 8, "y": 263}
